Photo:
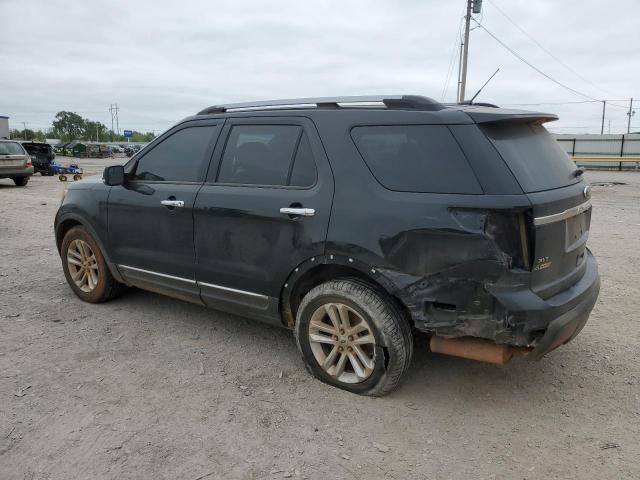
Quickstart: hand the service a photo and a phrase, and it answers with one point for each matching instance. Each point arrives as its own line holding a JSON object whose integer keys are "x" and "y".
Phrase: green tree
{"x": 40, "y": 135}
{"x": 68, "y": 126}
{"x": 27, "y": 134}
{"x": 94, "y": 131}
{"x": 142, "y": 137}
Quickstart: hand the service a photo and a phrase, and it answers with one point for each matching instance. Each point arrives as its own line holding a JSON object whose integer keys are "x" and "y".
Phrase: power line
{"x": 545, "y": 49}
{"x": 548, "y": 103}
{"x": 522, "y": 59}
{"x": 566, "y": 103}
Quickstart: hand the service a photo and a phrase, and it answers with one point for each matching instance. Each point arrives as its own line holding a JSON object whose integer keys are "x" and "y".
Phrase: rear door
{"x": 560, "y": 200}
{"x": 151, "y": 216}
{"x": 264, "y": 209}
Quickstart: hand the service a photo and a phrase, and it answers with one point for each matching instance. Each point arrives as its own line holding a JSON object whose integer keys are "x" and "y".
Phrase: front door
{"x": 264, "y": 209}
{"x": 151, "y": 216}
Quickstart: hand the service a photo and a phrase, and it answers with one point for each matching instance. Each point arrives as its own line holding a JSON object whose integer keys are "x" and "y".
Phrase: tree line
{"x": 69, "y": 126}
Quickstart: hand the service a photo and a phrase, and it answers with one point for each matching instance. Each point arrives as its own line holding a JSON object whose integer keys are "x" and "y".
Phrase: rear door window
{"x": 533, "y": 155}
{"x": 271, "y": 155}
{"x": 416, "y": 158}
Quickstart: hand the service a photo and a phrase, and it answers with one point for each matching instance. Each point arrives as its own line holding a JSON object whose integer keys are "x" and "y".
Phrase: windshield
{"x": 533, "y": 155}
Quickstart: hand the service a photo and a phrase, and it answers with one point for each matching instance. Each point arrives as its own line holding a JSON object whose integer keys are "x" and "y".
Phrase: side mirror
{"x": 113, "y": 175}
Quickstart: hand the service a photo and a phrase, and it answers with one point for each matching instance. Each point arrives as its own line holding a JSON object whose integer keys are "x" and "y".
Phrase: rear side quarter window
{"x": 416, "y": 158}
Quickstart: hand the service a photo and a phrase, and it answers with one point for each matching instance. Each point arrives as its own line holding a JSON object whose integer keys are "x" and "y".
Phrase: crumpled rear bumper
{"x": 505, "y": 311}
{"x": 556, "y": 320}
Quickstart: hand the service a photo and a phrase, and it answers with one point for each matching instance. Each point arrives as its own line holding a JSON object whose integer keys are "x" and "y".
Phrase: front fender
{"x": 99, "y": 233}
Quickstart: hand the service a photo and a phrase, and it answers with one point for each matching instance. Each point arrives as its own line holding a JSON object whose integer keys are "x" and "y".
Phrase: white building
{"x": 4, "y": 126}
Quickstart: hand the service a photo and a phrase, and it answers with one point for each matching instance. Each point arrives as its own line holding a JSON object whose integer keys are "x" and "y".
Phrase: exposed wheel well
{"x": 324, "y": 273}
{"x": 63, "y": 229}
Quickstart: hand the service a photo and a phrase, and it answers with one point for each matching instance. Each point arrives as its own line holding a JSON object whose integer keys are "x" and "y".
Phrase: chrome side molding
{"x": 232, "y": 290}
{"x": 157, "y": 274}
{"x": 212, "y": 286}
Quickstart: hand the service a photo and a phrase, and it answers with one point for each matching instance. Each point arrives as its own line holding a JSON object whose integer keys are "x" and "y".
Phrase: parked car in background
{"x": 115, "y": 149}
{"x": 131, "y": 150}
{"x": 42, "y": 155}
{"x": 15, "y": 162}
{"x": 352, "y": 221}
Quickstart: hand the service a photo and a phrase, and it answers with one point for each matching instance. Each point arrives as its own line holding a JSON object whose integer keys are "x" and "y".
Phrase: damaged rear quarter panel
{"x": 436, "y": 251}
{"x": 439, "y": 255}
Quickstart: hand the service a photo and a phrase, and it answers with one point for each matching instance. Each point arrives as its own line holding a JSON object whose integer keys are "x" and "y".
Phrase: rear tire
{"x": 20, "y": 181}
{"x": 353, "y": 336}
{"x": 85, "y": 268}
{"x": 62, "y": 178}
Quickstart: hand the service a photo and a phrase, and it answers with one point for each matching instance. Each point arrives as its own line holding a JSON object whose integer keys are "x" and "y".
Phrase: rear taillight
{"x": 524, "y": 232}
{"x": 512, "y": 234}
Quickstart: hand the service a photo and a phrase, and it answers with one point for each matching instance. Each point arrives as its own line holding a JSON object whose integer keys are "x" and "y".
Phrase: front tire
{"x": 85, "y": 268}
{"x": 353, "y": 336}
{"x": 20, "y": 181}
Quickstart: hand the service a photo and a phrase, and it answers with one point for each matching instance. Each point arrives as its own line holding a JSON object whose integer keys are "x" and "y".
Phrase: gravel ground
{"x": 150, "y": 387}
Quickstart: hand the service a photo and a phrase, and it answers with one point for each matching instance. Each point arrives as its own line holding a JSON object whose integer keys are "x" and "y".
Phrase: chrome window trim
{"x": 568, "y": 213}
{"x": 232, "y": 290}
{"x": 163, "y": 275}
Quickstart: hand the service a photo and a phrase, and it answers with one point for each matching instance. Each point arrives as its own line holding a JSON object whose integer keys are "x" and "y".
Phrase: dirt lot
{"x": 150, "y": 387}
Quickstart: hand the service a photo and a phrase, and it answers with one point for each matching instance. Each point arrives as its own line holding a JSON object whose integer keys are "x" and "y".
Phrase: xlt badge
{"x": 542, "y": 263}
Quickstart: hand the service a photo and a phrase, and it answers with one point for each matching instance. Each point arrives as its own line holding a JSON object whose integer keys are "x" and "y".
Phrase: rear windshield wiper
{"x": 578, "y": 172}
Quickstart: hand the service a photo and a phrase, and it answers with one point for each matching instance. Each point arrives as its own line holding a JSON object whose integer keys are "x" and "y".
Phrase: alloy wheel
{"x": 342, "y": 342}
{"x": 83, "y": 265}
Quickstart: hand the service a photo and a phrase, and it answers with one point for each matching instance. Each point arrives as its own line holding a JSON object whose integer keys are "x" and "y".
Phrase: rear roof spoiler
{"x": 500, "y": 115}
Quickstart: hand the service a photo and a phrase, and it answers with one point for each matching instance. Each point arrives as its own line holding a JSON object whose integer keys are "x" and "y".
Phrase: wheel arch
{"x": 70, "y": 220}
{"x": 317, "y": 270}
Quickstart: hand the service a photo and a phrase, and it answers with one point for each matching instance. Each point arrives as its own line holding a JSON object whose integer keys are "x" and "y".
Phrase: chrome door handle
{"x": 303, "y": 212}
{"x": 172, "y": 203}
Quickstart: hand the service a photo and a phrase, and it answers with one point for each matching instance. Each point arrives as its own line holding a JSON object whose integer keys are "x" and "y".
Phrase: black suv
{"x": 42, "y": 155}
{"x": 353, "y": 221}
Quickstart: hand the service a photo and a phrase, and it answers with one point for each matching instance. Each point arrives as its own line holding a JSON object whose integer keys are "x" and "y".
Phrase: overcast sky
{"x": 163, "y": 60}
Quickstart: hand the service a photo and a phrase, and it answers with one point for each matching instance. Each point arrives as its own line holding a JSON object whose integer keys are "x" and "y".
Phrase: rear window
{"x": 36, "y": 148}
{"x": 11, "y": 148}
{"x": 416, "y": 158}
{"x": 533, "y": 155}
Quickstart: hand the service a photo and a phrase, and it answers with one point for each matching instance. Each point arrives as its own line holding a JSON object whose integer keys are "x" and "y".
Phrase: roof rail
{"x": 406, "y": 102}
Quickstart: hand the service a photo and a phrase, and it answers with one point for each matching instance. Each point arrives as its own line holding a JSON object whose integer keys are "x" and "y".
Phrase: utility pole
{"x": 117, "y": 123}
{"x": 473, "y": 6}
{"x": 459, "y": 72}
{"x": 631, "y": 113}
{"x": 604, "y": 106}
{"x": 113, "y": 110}
{"x": 465, "y": 53}
{"x": 24, "y": 132}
